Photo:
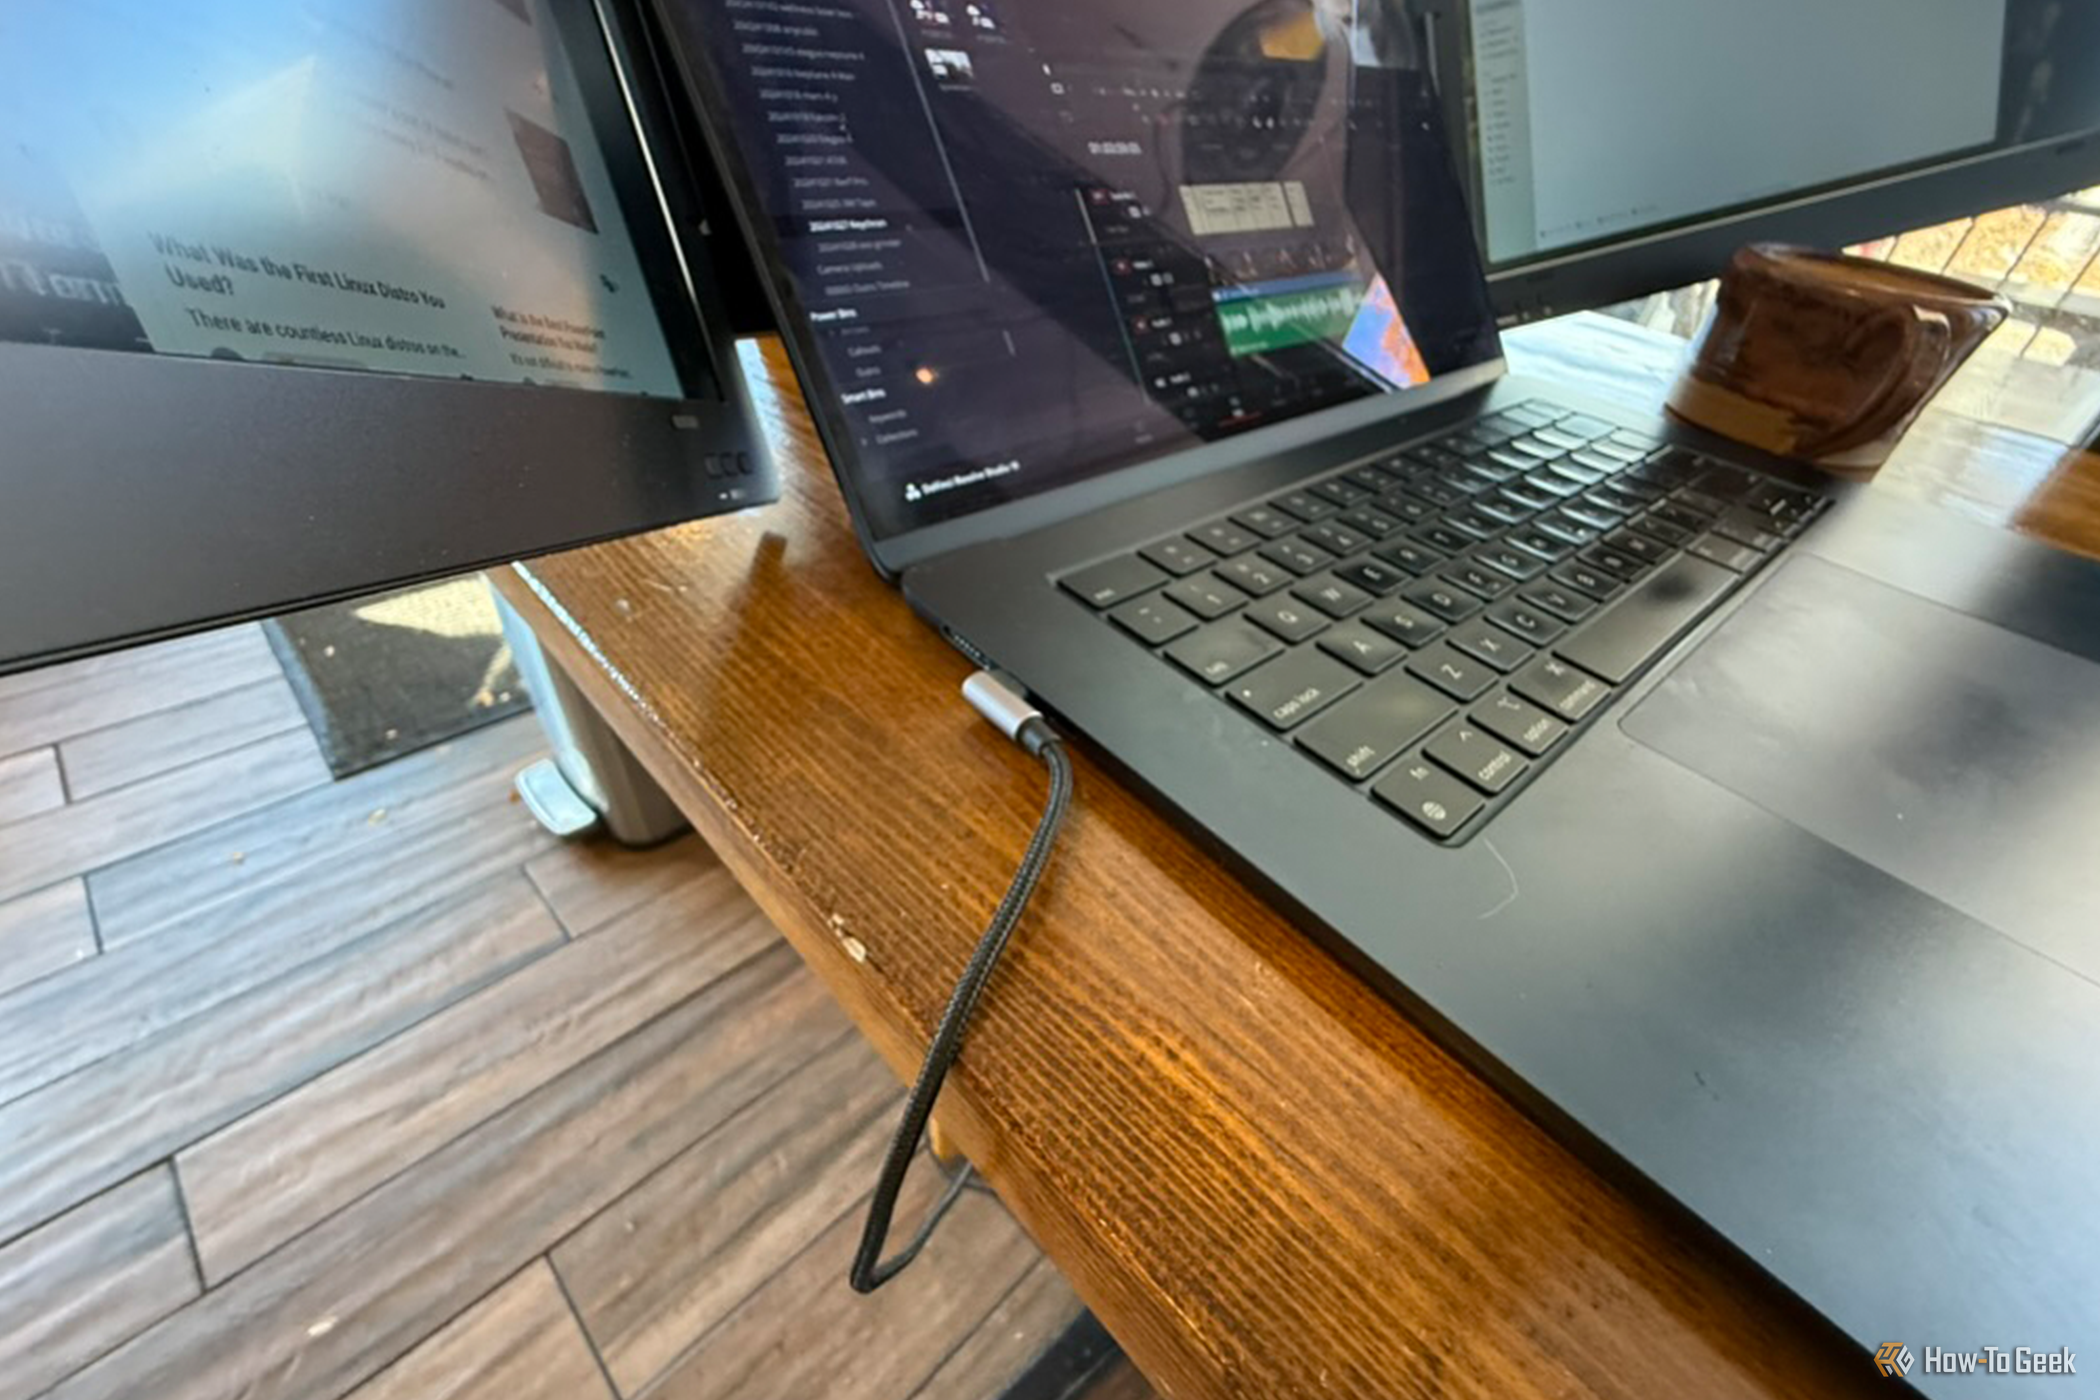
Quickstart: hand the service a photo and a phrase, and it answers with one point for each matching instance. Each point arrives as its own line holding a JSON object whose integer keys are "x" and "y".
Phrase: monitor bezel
{"x": 144, "y": 495}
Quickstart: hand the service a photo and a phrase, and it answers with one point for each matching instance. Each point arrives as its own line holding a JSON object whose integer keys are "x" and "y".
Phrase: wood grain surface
{"x": 1264, "y": 1179}
{"x": 519, "y": 1343}
{"x": 76, "y": 1287}
{"x": 44, "y": 932}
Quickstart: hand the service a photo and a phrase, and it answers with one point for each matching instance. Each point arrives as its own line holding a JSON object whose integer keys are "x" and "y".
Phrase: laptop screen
{"x": 1029, "y": 243}
{"x": 381, "y": 185}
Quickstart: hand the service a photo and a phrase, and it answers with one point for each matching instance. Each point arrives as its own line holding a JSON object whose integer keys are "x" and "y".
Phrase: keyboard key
{"x": 1369, "y": 520}
{"x": 1725, "y": 481}
{"x": 1293, "y": 688}
{"x": 1342, "y": 491}
{"x": 1366, "y": 731}
{"x": 1448, "y": 603}
{"x": 1305, "y": 506}
{"x": 1639, "y": 442}
{"x": 1751, "y": 528}
{"x": 1592, "y": 516}
{"x": 1635, "y": 545}
{"x": 1105, "y": 584}
{"x": 1564, "y": 691}
{"x": 1509, "y": 459}
{"x": 1179, "y": 555}
{"x": 1297, "y": 556}
{"x": 1508, "y": 559}
{"x": 1544, "y": 545}
{"x": 1610, "y": 561}
{"x": 1374, "y": 577}
{"x": 1647, "y": 619}
{"x": 1529, "y": 415}
{"x": 1519, "y": 722}
{"x": 1727, "y": 553}
{"x": 1224, "y": 537}
{"x": 1551, "y": 483}
{"x": 1429, "y": 797}
{"x": 1332, "y": 596}
{"x": 1471, "y": 522}
{"x": 1443, "y": 537}
{"x": 1538, "y": 449}
{"x": 1217, "y": 653}
{"x": 1359, "y": 646}
{"x": 1489, "y": 470}
{"x": 1404, "y": 624}
{"x": 1613, "y": 499}
{"x": 1603, "y": 463}
{"x": 1563, "y": 603}
{"x": 1288, "y": 618}
{"x": 1586, "y": 580}
{"x": 1559, "y": 436}
{"x": 1439, "y": 490}
{"x": 1206, "y": 595}
{"x": 1373, "y": 479}
{"x": 1571, "y": 533}
{"x": 1477, "y": 756}
{"x": 1526, "y": 622}
{"x": 1153, "y": 621}
{"x": 1255, "y": 576}
{"x": 1780, "y": 502}
{"x": 1335, "y": 538}
{"x": 1654, "y": 528}
{"x": 1583, "y": 427}
{"x": 1683, "y": 517}
{"x": 1498, "y": 510}
{"x": 1403, "y": 507}
{"x": 1490, "y": 644}
{"x": 1269, "y": 524}
{"x": 1480, "y": 582}
{"x": 1451, "y": 672}
{"x": 1414, "y": 558}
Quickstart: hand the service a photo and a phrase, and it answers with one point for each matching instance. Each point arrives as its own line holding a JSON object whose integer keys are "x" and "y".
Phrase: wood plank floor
{"x": 371, "y": 1089}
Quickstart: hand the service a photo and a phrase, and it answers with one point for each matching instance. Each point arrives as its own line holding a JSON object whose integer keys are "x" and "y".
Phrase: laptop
{"x": 1738, "y": 823}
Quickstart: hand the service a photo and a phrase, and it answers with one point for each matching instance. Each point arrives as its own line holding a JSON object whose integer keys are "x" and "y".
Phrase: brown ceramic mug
{"x": 1827, "y": 357}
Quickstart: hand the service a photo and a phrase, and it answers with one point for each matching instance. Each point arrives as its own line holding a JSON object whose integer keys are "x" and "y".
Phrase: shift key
{"x": 1359, "y": 736}
{"x": 1621, "y": 640}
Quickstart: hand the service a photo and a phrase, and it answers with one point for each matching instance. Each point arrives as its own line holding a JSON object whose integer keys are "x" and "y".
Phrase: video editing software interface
{"x": 383, "y": 185}
{"x": 1039, "y": 241}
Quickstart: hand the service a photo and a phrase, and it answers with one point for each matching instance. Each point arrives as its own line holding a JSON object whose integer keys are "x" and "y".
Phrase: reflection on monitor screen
{"x": 383, "y": 185}
{"x": 1596, "y": 118}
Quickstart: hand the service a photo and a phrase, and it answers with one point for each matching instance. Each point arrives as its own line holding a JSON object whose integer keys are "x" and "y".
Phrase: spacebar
{"x": 1645, "y": 621}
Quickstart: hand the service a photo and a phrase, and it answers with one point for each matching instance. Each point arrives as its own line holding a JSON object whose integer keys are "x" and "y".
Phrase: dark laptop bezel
{"x": 893, "y": 554}
{"x": 148, "y": 495}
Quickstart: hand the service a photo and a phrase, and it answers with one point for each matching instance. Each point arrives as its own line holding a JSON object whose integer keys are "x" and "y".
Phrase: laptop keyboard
{"x": 1433, "y": 626}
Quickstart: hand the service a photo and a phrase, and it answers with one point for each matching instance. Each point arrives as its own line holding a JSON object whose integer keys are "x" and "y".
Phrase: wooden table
{"x": 1265, "y": 1180}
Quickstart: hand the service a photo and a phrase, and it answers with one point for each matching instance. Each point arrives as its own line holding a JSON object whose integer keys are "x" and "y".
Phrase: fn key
{"x": 1429, "y": 797}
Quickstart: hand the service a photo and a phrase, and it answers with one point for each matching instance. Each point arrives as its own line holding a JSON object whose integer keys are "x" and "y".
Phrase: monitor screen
{"x": 1027, "y": 244}
{"x": 1605, "y": 121}
{"x": 381, "y": 185}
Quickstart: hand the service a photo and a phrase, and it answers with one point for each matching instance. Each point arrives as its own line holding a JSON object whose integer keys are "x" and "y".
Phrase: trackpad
{"x": 1961, "y": 758}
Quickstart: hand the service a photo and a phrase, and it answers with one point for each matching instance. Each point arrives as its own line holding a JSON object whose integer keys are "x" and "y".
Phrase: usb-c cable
{"x": 1021, "y": 722}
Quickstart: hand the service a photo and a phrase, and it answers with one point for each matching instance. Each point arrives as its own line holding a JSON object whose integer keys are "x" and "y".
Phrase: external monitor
{"x": 299, "y": 300}
{"x": 1618, "y": 147}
